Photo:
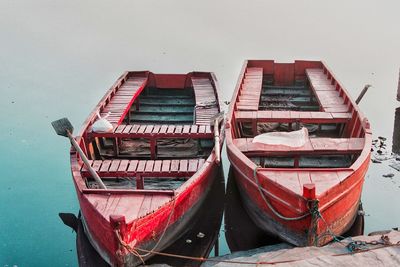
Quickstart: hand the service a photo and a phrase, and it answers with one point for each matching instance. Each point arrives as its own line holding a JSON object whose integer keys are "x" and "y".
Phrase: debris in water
{"x": 382, "y": 138}
{"x": 376, "y": 161}
{"x": 201, "y": 235}
{"x": 389, "y": 175}
{"x": 188, "y": 241}
{"x": 395, "y": 166}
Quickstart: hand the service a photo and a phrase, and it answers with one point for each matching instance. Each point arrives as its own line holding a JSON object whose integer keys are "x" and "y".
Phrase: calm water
{"x": 57, "y": 59}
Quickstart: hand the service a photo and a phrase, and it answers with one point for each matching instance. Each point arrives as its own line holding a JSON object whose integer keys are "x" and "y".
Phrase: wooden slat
{"x": 105, "y": 166}
{"x": 141, "y": 166}
{"x": 157, "y": 166}
{"x": 183, "y": 165}
{"x": 132, "y": 165}
{"x": 149, "y": 166}
{"x": 114, "y": 165}
{"x": 123, "y": 165}
{"x": 327, "y": 95}
{"x": 166, "y": 165}
{"x": 204, "y": 95}
{"x": 96, "y": 165}
{"x": 250, "y": 91}
{"x": 174, "y": 165}
{"x": 149, "y": 128}
{"x": 193, "y": 163}
{"x": 123, "y": 97}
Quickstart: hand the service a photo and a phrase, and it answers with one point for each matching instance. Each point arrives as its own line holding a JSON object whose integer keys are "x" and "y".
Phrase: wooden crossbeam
{"x": 157, "y": 131}
{"x": 315, "y": 146}
{"x": 144, "y": 168}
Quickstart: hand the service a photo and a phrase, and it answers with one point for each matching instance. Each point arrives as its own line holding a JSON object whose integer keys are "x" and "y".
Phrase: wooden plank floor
{"x": 328, "y": 97}
{"x": 122, "y": 100}
{"x": 206, "y": 101}
{"x": 250, "y": 91}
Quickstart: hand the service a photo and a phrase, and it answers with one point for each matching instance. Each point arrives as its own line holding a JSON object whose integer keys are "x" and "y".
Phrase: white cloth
{"x": 102, "y": 125}
{"x": 291, "y": 139}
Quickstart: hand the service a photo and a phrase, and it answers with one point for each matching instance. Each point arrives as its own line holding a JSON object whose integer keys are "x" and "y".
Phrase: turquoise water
{"x": 58, "y": 58}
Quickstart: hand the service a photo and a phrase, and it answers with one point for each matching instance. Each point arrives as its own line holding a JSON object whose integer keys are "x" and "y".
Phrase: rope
{"x": 135, "y": 251}
{"x": 202, "y": 259}
{"x": 277, "y": 214}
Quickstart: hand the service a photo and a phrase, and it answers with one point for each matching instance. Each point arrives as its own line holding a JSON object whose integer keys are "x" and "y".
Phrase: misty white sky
{"x": 80, "y": 46}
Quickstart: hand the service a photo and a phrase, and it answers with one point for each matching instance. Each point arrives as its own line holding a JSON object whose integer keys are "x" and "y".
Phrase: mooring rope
{"x": 133, "y": 250}
{"x": 270, "y": 205}
{"x": 147, "y": 253}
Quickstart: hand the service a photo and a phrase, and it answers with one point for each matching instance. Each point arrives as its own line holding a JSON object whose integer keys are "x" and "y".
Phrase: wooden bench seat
{"x": 315, "y": 146}
{"x": 250, "y": 91}
{"x": 327, "y": 95}
{"x": 157, "y": 131}
{"x": 123, "y": 99}
{"x": 206, "y": 101}
{"x": 150, "y": 168}
{"x": 291, "y": 116}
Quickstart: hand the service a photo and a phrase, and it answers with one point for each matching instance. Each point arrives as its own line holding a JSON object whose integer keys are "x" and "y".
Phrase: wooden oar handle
{"x": 86, "y": 161}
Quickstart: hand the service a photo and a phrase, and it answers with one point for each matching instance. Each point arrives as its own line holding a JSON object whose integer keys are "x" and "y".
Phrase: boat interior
{"x": 163, "y": 131}
{"x": 286, "y": 97}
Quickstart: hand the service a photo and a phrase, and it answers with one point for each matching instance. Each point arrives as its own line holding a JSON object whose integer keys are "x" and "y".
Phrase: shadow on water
{"x": 242, "y": 234}
{"x": 396, "y": 132}
{"x": 198, "y": 241}
{"x": 240, "y": 231}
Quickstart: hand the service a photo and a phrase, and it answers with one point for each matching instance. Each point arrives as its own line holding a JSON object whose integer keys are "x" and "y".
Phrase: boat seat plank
{"x": 327, "y": 96}
{"x": 250, "y": 91}
{"x": 121, "y": 101}
{"x": 292, "y": 116}
{"x": 129, "y": 168}
{"x": 206, "y": 100}
{"x": 157, "y": 131}
{"x": 314, "y": 146}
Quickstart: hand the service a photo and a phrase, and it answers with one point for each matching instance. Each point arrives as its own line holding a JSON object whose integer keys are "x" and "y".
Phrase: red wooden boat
{"x": 304, "y": 193}
{"x": 157, "y": 163}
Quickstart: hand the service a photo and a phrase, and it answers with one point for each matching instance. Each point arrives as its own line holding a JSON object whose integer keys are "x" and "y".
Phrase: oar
{"x": 215, "y": 121}
{"x": 64, "y": 127}
{"x": 363, "y": 91}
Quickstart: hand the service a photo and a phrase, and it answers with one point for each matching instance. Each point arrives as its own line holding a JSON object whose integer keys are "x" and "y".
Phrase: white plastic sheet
{"x": 102, "y": 125}
{"x": 291, "y": 139}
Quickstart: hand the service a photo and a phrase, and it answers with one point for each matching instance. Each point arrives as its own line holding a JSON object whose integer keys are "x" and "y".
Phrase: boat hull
{"x": 336, "y": 218}
{"x": 306, "y": 193}
{"x": 170, "y": 229}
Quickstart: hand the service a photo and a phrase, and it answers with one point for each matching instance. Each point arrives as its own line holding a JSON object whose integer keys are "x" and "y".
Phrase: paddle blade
{"x": 62, "y": 127}
{"x": 70, "y": 220}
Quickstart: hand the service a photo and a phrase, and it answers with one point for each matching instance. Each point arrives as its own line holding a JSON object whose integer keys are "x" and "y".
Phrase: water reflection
{"x": 198, "y": 241}
{"x": 396, "y": 130}
{"x": 240, "y": 231}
